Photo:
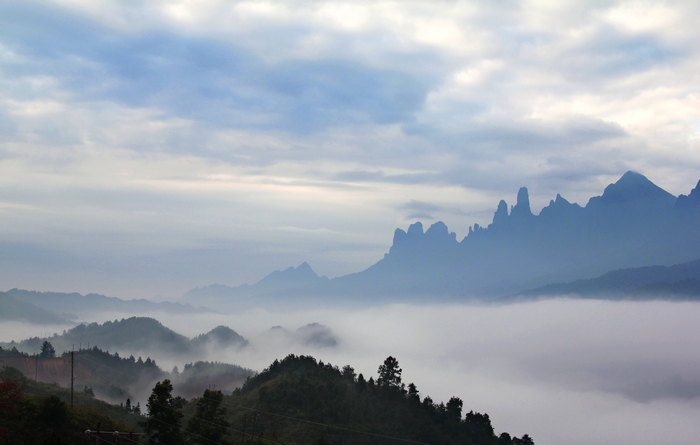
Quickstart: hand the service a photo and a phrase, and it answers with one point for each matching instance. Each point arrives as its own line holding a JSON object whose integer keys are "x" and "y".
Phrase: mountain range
{"x": 59, "y": 306}
{"x": 676, "y": 282}
{"x": 135, "y": 335}
{"x": 634, "y": 223}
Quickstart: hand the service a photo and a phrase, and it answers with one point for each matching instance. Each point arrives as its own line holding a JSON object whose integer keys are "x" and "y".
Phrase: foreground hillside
{"x": 116, "y": 379}
{"x": 39, "y": 413}
{"x": 300, "y": 400}
{"x": 297, "y": 400}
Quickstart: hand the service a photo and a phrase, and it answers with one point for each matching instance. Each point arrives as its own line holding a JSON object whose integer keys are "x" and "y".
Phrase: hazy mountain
{"x": 634, "y": 223}
{"x": 222, "y": 296}
{"x": 12, "y": 309}
{"x": 198, "y": 376}
{"x": 220, "y": 336}
{"x": 135, "y": 335}
{"x": 316, "y": 334}
{"x": 68, "y": 305}
{"x": 115, "y": 378}
{"x": 680, "y": 281}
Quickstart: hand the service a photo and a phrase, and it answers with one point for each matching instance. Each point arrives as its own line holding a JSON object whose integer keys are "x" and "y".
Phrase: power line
{"x": 311, "y": 422}
{"x": 215, "y": 424}
{"x": 323, "y": 424}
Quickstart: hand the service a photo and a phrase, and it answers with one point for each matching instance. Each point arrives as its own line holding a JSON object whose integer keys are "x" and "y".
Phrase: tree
{"x": 164, "y": 416}
{"x": 10, "y": 398}
{"x": 389, "y": 373}
{"x": 413, "y": 392}
{"x": 349, "y": 372}
{"x": 454, "y": 408}
{"x": 208, "y": 425}
{"x": 47, "y": 350}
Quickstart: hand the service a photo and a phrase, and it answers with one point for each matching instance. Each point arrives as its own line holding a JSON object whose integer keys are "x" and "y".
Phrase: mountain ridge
{"x": 70, "y": 305}
{"x": 633, "y": 223}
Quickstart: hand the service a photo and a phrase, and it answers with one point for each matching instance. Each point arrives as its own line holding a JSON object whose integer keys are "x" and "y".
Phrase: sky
{"x": 149, "y": 147}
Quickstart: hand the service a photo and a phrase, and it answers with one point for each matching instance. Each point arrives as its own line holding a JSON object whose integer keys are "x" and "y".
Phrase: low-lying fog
{"x": 564, "y": 371}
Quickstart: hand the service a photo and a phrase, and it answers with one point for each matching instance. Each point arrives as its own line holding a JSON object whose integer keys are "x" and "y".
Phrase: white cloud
{"x": 563, "y": 371}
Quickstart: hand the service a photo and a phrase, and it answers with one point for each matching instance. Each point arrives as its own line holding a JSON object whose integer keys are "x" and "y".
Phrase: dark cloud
{"x": 420, "y": 209}
{"x": 610, "y": 53}
{"x": 203, "y": 79}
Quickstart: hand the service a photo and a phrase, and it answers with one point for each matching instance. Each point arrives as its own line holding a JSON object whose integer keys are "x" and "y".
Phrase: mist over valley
{"x": 334, "y": 223}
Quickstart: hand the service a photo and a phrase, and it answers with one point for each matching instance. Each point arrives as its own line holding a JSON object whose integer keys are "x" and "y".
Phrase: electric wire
{"x": 311, "y": 422}
{"x": 324, "y": 424}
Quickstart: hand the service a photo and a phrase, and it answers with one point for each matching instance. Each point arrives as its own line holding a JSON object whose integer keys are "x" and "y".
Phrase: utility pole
{"x": 71, "y": 379}
{"x": 36, "y": 367}
{"x": 243, "y": 434}
{"x": 252, "y": 433}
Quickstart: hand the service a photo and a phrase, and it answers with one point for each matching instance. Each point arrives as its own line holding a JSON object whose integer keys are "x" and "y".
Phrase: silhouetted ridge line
{"x": 634, "y": 223}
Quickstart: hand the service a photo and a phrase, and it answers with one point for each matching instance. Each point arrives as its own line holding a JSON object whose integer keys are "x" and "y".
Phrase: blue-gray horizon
{"x": 152, "y": 147}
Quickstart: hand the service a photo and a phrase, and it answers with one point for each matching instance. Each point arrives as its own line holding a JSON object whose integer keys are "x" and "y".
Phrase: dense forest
{"x": 297, "y": 400}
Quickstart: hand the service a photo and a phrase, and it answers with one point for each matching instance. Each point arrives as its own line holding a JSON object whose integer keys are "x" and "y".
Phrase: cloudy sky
{"x": 148, "y": 147}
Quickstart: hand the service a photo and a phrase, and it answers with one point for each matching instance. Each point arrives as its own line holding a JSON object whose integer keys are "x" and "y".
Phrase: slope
{"x": 300, "y": 400}
{"x": 680, "y": 282}
{"x": 12, "y": 309}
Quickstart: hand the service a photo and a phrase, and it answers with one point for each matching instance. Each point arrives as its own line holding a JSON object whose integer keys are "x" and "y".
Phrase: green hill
{"x": 299, "y": 400}
{"x": 39, "y": 413}
{"x": 136, "y": 335}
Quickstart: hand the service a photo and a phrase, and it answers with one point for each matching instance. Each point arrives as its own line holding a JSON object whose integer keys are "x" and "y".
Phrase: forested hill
{"x": 136, "y": 335}
{"x": 300, "y": 400}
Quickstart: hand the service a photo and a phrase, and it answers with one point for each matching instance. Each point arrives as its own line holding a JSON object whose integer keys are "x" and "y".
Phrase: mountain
{"x": 307, "y": 401}
{"x": 12, "y": 309}
{"x": 634, "y": 223}
{"x": 39, "y": 413}
{"x": 74, "y": 303}
{"x": 678, "y": 282}
{"x": 244, "y": 296}
{"x": 220, "y": 337}
{"x": 135, "y": 335}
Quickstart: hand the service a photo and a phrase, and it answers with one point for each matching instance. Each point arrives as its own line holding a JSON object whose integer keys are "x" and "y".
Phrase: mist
{"x": 562, "y": 370}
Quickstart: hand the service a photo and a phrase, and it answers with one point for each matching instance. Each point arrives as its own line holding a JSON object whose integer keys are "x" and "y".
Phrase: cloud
{"x": 203, "y": 79}
{"x": 563, "y": 371}
{"x": 325, "y": 115}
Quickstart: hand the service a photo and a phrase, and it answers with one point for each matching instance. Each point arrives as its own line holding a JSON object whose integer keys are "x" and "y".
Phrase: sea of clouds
{"x": 564, "y": 371}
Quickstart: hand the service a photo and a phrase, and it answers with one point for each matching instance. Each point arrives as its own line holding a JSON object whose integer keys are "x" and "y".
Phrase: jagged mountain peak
{"x": 633, "y": 186}
{"x": 416, "y": 228}
{"x": 522, "y": 205}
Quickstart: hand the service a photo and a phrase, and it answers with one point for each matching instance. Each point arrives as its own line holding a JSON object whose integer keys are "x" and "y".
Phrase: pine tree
{"x": 47, "y": 350}
{"x": 208, "y": 424}
{"x": 389, "y": 373}
{"x": 164, "y": 416}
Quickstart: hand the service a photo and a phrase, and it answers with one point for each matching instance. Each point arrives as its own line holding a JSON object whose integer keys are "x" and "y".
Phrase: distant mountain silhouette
{"x": 136, "y": 335}
{"x": 12, "y": 309}
{"x": 73, "y": 304}
{"x": 634, "y": 223}
{"x": 678, "y": 282}
{"x": 222, "y": 296}
{"x": 220, "y": 336}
